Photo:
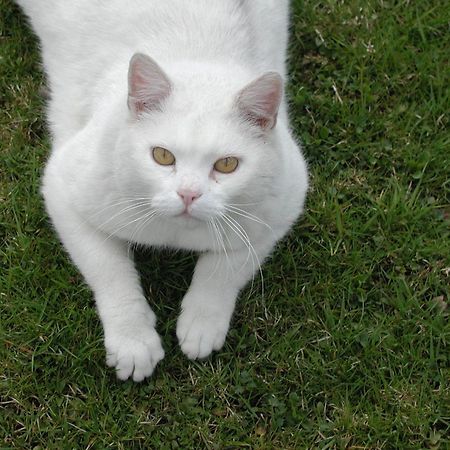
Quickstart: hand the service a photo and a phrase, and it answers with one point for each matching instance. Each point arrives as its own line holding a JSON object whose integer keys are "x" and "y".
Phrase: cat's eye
{"x": 226, "y": 165}
{"x": 163, "y": 156}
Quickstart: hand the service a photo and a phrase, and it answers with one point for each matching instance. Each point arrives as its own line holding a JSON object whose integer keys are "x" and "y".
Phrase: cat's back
{"x": 88, "y": 42}
{"x": 171, "y": 28}
{"x": 62, "y": 23}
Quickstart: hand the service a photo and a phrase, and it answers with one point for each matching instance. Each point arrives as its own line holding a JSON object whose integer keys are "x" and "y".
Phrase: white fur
{"x": 102, "y": 187}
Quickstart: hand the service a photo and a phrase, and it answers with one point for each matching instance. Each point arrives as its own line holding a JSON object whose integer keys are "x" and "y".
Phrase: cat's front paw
{"x": 133, "y": 354}
{"x": 199, "y": 333}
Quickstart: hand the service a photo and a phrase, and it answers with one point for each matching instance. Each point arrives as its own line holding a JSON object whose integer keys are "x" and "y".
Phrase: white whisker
{"x": 246, "y": 243}
{"x": 125, "y": 210}
{"x": 247, "y": 215}
{"x": 140, "y": 226}
{"x": 221, "y": 230}
{"x": 149, "y": 215}
{"x": 216, "y": 250}
{"x": 124, "y": 200}
{"x": 240, "y": 231}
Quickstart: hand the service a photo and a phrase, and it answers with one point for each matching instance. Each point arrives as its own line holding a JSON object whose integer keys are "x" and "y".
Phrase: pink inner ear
{"x": 148, "y": 85}
{"x": 259, "y": 101}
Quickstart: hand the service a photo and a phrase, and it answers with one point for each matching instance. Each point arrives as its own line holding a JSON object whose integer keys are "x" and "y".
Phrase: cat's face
{"x": 196, "y": 156}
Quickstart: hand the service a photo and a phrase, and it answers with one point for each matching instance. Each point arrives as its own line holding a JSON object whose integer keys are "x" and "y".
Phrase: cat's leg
{"x": 132, "y": 344}
{"x": 209, "y": 303}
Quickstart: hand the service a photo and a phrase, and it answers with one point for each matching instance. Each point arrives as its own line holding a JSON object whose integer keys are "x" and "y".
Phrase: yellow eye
{"x": 163, "y": 156}
{"x": 226, "y": 165}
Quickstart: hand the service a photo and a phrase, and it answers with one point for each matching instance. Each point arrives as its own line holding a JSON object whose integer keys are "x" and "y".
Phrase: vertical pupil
{"x": 165, "y": 154}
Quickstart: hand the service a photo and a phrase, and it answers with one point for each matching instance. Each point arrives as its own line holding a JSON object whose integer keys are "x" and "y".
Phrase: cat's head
{"x": 197, "y": 145}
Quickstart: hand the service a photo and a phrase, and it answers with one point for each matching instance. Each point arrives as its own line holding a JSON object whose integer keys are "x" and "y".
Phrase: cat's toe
{"x": 134, "y": 357}
{"x": 198, "y": 335}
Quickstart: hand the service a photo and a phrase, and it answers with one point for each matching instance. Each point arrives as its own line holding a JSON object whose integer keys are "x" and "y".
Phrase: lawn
{"x": 346, "y": 347}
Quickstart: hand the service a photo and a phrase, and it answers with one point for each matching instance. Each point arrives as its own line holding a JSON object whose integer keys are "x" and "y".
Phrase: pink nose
{"x": 187, "y": 196}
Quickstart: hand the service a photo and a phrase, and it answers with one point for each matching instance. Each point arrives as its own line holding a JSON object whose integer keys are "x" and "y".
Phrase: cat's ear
{"x": 260, "y": 100}
{"x": 148, "y": 85}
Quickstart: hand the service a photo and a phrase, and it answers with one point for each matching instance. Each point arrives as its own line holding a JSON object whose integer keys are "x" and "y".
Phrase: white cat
{"x": 169, "y": 129}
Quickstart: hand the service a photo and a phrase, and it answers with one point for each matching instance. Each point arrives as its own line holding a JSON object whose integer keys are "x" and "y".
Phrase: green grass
{"x": 349, "y": 347}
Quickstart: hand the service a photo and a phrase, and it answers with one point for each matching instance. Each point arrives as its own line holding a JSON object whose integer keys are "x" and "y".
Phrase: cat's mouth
{"x": 187, "y": 220}
{"x": 186, "y": 215}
